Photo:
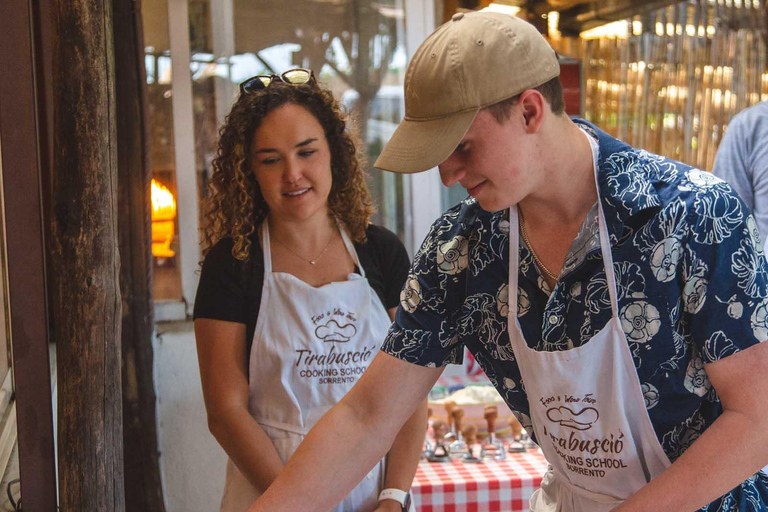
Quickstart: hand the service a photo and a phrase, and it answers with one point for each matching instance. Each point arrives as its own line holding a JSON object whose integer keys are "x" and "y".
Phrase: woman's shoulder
{"x": 220, "y": 253}
{"x": 383, "y": 249}
{"x": 227, "y": 287}
{"x": 382, "y": 245}
{"x": 221, "y": 249}
{"x": 381, "y": 237}
{"x": 386, "y": 263}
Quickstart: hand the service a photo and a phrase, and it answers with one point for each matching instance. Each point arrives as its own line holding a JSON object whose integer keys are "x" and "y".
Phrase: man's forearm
{"x": 731, "y": 450}
{"x": 329, "y": 470}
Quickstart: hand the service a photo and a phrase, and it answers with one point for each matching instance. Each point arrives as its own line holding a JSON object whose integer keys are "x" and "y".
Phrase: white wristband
{"x": 393, "y": 494}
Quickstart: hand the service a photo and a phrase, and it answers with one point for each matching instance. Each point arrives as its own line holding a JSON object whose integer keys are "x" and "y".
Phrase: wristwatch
{"x": 402, "y": 497}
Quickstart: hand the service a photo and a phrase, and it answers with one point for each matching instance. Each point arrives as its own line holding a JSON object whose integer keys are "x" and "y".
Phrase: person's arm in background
{"x": 731, "y": 163}
{"x": 759, "y": 164}
{"x": 742, "y": 161}
{"x": 351, "y": 438}
{"x": 403, "y": 457}
{"x": 221, "y": 349}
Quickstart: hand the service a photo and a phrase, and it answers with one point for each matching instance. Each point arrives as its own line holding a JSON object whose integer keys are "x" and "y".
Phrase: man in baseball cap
{"x": 640, "y": 376}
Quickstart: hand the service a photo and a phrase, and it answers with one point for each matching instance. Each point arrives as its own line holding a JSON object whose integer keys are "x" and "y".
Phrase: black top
{"x": 230, "y": 289}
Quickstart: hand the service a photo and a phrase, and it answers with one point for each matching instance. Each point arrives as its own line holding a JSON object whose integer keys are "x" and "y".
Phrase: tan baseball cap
{"x": 473, "y": 61}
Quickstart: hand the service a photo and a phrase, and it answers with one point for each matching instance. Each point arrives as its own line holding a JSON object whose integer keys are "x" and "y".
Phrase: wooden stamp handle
{"x": 449, "y": 405}
{"x": 517, "y": 428}
{"x": 470, "y": 434}
{"x": 457, "y": 414}
{"x": 439, "y": 427}
{"x": 491, "y": 413}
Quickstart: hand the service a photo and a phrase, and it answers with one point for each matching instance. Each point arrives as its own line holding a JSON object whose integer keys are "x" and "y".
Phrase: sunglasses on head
{"x": 296, "y": 76}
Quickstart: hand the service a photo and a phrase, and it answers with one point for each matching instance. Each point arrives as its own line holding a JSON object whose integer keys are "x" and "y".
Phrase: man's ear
{"x": 533, "y": 106}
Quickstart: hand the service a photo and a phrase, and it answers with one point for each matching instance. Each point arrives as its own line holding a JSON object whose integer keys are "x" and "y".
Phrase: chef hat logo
{"x": 581, "y": 420}
{"x": 333, "y": 332}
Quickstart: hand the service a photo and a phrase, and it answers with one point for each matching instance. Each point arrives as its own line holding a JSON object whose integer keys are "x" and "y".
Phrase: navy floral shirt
{"x": 692, "y": 289}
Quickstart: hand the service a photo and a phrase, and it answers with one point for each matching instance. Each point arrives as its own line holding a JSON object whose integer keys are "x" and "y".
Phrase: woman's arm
{"x": 403, "y": 457}
{"x": 731, "y": 450}
{"x": 221, "y": 352}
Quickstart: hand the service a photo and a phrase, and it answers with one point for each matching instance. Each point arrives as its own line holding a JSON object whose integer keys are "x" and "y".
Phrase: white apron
{"x": 309, "y": 347}
{"x": 586, "y": 407}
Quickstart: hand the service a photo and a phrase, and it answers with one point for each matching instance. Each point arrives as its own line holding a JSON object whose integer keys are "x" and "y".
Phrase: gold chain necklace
{"x": 312, "y": 261}
{"x": 521, "y": 223}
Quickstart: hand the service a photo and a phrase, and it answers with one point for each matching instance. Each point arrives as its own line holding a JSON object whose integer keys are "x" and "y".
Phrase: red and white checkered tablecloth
{"x": 491, "y": 486}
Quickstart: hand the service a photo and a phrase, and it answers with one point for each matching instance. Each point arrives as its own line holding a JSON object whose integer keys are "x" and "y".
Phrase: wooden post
{"x": 143, "y": 486}
{"x": 86, "y": 295}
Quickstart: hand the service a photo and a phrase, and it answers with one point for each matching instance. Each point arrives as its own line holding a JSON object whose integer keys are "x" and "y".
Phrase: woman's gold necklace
{"x": 521, "y": 223}
{"x": 312, "y": 261}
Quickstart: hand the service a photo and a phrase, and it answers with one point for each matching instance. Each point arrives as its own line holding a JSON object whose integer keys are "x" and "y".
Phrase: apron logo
{"x": 567, "y": 417}
{"x": 333, "y": 332}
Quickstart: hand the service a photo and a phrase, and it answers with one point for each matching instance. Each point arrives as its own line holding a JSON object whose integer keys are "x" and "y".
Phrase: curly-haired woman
{"x": 297, "y": 289}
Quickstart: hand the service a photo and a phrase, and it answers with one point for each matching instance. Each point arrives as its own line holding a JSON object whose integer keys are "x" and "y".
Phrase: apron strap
{"x": 266, "y": 247}
{"x": 351, "y": 249}
{"x": 287, "y": 427}
{"x": 514, "y": 261}
{"x": 605, "y": 247}
{"x": 605, "y": 241}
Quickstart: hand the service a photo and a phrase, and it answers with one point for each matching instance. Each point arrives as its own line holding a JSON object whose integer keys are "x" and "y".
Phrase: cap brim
{"x": 417, "y": 146}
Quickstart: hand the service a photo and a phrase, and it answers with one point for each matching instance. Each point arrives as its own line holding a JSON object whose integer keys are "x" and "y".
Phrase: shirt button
{"x": 457, "y": 16}
{"x": 553, "y": 319}
{"x": 504, "y": 226}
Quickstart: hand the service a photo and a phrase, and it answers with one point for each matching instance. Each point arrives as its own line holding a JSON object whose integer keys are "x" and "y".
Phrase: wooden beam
{"x": 583, "y": 17}
{"x": 22, "y": 158}
{"x": 86, "y": 295}
{"x": 143, "y": 486}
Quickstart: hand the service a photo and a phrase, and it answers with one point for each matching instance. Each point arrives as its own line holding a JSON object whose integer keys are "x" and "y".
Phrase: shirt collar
{"x": 625, "y": 179}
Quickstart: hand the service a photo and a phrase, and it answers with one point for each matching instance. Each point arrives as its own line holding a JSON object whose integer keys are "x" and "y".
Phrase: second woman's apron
{"x": 586, "y": 406}
{"x": 309, "y": 347}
